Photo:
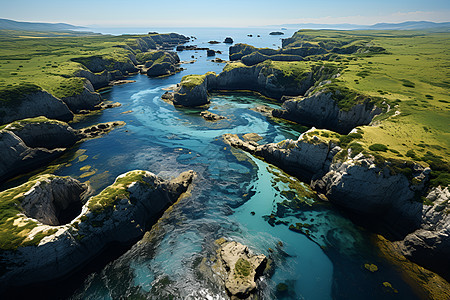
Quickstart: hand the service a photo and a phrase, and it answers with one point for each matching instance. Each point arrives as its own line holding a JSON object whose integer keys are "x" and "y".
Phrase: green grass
{"x": 12, "y": 232}
{"x": 115, "y": 192}
{"x": 49, "y": 60}
{"x": 191, "y": 81}
{"x": 412, "y": 78}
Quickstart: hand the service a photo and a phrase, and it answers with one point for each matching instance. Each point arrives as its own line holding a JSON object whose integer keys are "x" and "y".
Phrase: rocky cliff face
{"x": 193, "y": 90}
{"x": 88, "y": 99}
{"x": 379, "y": 191}
{"x": 120, "y": 213}
{"x": 429, "y": 245}
{"x": 262, "y": 78}
{"x": 49, "y": 197}
{"x": 31, "y": 143}
{"x": 17, "y": 157}
{"x": 321, "y": 110}
{"x": 36, "y": 104}
{"x": 43, "y": 133}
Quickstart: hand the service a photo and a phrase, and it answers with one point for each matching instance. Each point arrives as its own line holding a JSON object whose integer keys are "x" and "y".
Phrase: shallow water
{"x": 233, "y": 197}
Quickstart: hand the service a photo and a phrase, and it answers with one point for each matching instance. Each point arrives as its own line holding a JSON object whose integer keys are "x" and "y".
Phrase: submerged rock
{"x": 209, "y": 116}
{"x": 40, "y": 251}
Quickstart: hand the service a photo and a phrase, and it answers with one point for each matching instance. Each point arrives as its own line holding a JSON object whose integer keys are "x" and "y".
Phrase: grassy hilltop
{"x": 413, "y": 77}
{"x": 405, "y": 72}
{"x": 49, "y": 60}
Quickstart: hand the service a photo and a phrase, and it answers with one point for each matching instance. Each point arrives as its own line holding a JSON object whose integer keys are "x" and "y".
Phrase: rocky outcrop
{"x": 307, "y": 157}
{"x": 228, "y": 40}
{"x": 31, "y": 143}
{"x": 239, "y": 268}
{"x": 209, "y": 116}
{"x": 17, "y": 157}
{"x": 321, "y": 110}
{"x": 276, "y": 33}
{"x": 383, "y": 193}
{"x": 44, "y": 133}
{"x": 193, "y": 90}
{"x": 429, "y": 245}
{"x": 34, "y": 104}
{"x": 88, "y": 99}
{"x": 121, "y": 213}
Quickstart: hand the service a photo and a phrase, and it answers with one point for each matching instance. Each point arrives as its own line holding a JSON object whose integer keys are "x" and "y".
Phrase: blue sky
{"x": 229, "y": 13}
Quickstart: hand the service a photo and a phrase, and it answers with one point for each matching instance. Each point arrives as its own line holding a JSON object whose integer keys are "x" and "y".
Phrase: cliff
{"x": 31, "y": 143}
{"x": 28, "y": 101}
{"x": 322, "y": 109}
{"x": 385, "y": 193}
{"x": 35, "y": 249}
{"x": 159, "y": 63}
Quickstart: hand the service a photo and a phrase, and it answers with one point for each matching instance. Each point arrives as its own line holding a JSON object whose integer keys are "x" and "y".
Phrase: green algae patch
{"x": 115, "y": 192}
{"x": 14, "y": 226}
{"x": 242, "y": 268}
{"x": 82, "y": 158}
{"x": 85, "y": 168}
{"x": 88, "y": 174}
{"x": 371, "y": 267}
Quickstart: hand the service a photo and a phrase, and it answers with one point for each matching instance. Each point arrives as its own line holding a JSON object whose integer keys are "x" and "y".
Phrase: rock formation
{"x": 239, "y": 269}
{"x": 42, "y": 251}
{"x": 228, "y": 40}
{"x": 321, "y": 110}
{"x": 31, "y": 143}
{"x": 383, "y": 192}
{"x": 29, "y": 103}
{"x": 209, "y": 116}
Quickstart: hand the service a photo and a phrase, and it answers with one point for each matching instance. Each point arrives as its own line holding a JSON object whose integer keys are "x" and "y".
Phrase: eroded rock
{"x": 121, "y": 213}
{"x": 239, "y": 268}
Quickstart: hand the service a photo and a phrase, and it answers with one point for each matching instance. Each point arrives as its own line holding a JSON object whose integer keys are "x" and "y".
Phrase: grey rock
{"x": 72, "y": 246}
{"x": 36, "y": 104}
{"x": 322, "y": 111}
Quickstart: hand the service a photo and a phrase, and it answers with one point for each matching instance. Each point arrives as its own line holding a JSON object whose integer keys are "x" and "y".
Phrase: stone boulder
{"x": 228, "y": 40}
{"x": 240, "y": 269}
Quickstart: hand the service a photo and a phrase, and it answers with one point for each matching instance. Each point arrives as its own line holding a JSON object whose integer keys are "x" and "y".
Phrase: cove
{"x": 231, "y": 185}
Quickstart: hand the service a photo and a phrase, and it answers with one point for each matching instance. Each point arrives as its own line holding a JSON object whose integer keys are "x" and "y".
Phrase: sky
{"x": 229, "y": 13}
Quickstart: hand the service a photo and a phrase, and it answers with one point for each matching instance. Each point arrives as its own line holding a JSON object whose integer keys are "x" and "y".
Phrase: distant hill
{"x": 6, "y": 24}
{"x": 410, "y": 25}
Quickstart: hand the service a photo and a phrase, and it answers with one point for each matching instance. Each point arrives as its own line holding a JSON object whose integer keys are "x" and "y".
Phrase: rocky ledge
{"x": 384, "y": 193}
{"x": 40, "y": 241}
{"x": 31, "y": 143}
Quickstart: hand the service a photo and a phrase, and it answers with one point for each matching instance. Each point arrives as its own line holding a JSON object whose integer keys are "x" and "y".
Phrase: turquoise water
{"x": 233, "y": 197}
